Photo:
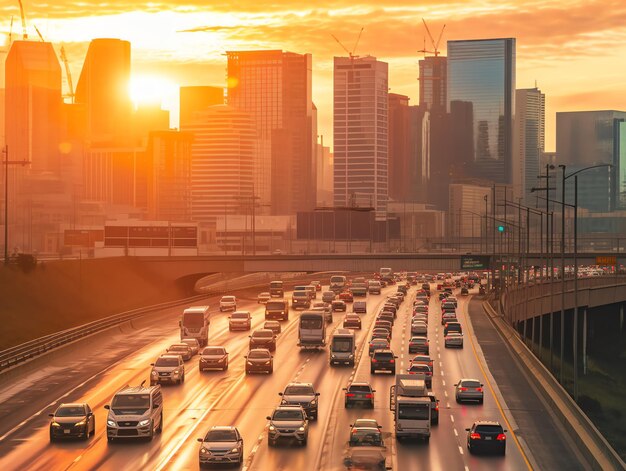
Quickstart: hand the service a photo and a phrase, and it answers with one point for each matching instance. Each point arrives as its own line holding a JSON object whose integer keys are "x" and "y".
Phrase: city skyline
{"x": 553, "y": 43}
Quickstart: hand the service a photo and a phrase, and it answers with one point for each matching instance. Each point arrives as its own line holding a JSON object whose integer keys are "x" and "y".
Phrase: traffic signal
{"x": 500, "y": 228}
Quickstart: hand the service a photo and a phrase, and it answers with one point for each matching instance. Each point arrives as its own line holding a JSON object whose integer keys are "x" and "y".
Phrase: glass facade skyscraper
{"x": 530, "y": 125}
{"x": 481, "y": 73}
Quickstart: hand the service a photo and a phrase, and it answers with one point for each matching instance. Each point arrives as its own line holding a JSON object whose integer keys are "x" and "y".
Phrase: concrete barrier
{"x": 580, "y": 429}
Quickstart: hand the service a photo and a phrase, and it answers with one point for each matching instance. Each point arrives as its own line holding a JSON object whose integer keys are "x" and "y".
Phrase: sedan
{"x": 240, "y": 320}
{"x": 263, "y": 298}
{"x": 422, "y": 369}
{"x": 263, "y": 338}
{"x": 352, "y": 321}
{"x": 274, "y": 326}
{"x": 359, "y": 393}
{"x": 213, "y": 358}
{"x": 469, "y": 390}
{"x": 194, "y": 344}
{"x": 72, "y": 420}
{"x": 378, "y": 344}
{"x": 419, "y": 328}
{"x": 486, "y": 435}
{"x": 423, "y": 359}
{"x": 419, "y": 345}
{"x": 381, "y": 334}
{"x": 448, "y": 317}
{"x": 338, "y": 305}
{"x": 181, "y": 349}
{"x": 259, "y": 360}
{"x": 365, "y": 432}
{"x": 346, "y": 296}
{"x": 453, "y": 339}
{"x": 221, "y": 445}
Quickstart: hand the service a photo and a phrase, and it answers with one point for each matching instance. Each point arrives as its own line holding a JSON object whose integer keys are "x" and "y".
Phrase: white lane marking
{"x": 440, "y": 364}
{"x": 456, "y": 433}
{"x": 443, "y": 381}
{"x": 460, "y": 450}
{"x": 446, "y": 393}
{"x": 452, "y": 418}
{"x": 467, "y": 468}
{"x": 255, "y": 449}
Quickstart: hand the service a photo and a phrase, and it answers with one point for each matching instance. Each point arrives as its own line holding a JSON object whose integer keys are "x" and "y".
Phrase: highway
{"x": 92, "y": 372}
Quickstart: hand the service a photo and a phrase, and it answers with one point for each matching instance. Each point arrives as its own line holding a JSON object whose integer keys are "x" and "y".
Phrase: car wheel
{"x": 226, "y": 367}
{"x": 271, "y": 442}
{"x": 87, "y": 434}
{"x": 427, "y": 439}
{"x": 469, "y": 449}
{"x": 480, "y": 401}
{"x": 241, "y": 458}
{"x": 160, "y": 427}
{"x": 110, "y": 439}
{"x": 436, "y": 421}
{"x": 346, "y": 404}
{"x": 247, "y": 372}
{"x": 271, "y": 370}
{"x": 372, "y": 370}
{"x": 304, "y": 442}
{"x": 93, "y": 432}
{"x": 372, "y": 405}
{"x": 503, "y": 452}
{"x": 458, "y": 401}
{"x": 393, "y": 372}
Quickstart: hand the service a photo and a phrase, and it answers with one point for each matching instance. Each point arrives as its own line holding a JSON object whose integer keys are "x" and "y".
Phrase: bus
{"x": 194, "y": 324}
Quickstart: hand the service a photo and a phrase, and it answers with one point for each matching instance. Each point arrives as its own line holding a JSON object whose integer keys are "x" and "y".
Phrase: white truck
{"x": 312, "y": 330}
{"x": 194, "y": 324}
{"x": 411, "y": 407}
{"x": 342, "y": 347}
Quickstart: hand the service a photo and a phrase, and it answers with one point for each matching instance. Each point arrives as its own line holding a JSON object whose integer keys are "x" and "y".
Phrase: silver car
{"x": 221, "y": 445}
{"x": 469, "y": 390}
{"x": 419, "y": 328}
{"x": 453, "y": 339}
{"x": 193, "y": 343}
{"x": 167, "y": 369}
{"x": 288, "y": 422}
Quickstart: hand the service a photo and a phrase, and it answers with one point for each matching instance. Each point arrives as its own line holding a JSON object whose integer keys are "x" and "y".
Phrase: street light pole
{"x": 8, "y": 162}
{"x": 562, "y": 167}
{"x": 575, "y": 327}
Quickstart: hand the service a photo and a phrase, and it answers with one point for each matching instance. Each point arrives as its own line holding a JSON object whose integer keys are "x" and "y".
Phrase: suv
{"x": 383, "y": 360}
{"x": 167, "y": 368}
{"x": 359, "y": 392}
{"x": 301, "y": 394}
{"x": 240, "y": 320}
{"x": 373, "y": 287}
{"x": 328, "y": 296}
{"x": 221, "y": 444}
{"x": 228, "y": 303}
{"x": 300, "y": 299}
{"x": 259, "y": 360}
{"x": 288, "y": 421}
{"x": 360, "y": 307}
{"x": 215, "y": 357}
{"x": 277, "y": 309}
{"x": 263, "y": 338}
{"x": 135, "y": 412}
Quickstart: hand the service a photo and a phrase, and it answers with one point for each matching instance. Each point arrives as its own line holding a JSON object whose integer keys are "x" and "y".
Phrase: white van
{"x": 342, "y": 347}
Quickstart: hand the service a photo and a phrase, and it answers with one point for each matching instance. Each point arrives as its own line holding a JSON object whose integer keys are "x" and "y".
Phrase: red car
{"x": 346, "y": 297}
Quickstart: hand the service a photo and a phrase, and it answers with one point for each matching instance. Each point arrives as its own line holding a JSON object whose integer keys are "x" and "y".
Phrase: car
{"x": 359, "y": 393}
{"x": 423, "y": 359}
{"x": 453, "y": 339}
{"x": 263, "y": 338}
{"x": 434, "y": 409}
{"x": 452, "y": 300}
{"x": 317, "y": 284}
{"x": 381, "y": 333}
{"x": 419, "y": 344}
{"x": 404, "y": 289}
{"x": 302, "y": 394}
{"x": 384, "y": 324}
{"x": 259, "y": 360}
{"x": 448, "y": 317}
{"x": 423, "y": 369}
{"x": 383, "y": 360}
{"x": 360, "y": 307}
{"x": 328, "y": 296}
{"x": 193, "y": 343}
{"x": 300, "y": 299}
{"x": 365, "y": 432}
{"x": 181, "y": 349}
{"x": 325, "y": 308}
{"x": 452, "y": 327}
{"x": 378, "y": 344}
{"x": 135, "y": 412}
{"x": 167, "y": 369}
{"x": 391, "y": 308}
{"x": 263, "y": 297}
{"x": 469, "y": 390}
{"x": 386, "y": 316}
{"x": 373, "y": 287}
{"x": 346, "y": 296}
{"x": 228, "y": 303}
{"x": 419, "y": 327}
{"x": 240, "y": 320}
{"x": 464, "y": 291}
{"x": 213, "y": 357}
{"x": 221, "y": 445}
{"x": 338, "y": 305}
{"x": 486, "y": 435}
{"x": 72, "y": 420}
{"x": 274, "y": 326}
{"x": 288, "y": 422}
{"x": 352, "y": 321}
{"x": 419, "y": 317}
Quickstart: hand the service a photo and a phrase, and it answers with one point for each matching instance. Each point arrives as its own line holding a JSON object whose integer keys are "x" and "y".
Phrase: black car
{"x": 359, "y": 393}
{"x": 302, "y": 394}
{"x": 259, "y": 360}
{"x": 263, "y": 338}
{"x": 486, "y": 436}
{"x": 452, "y": 327}
{"x": 383, "y": 360}
{"x": 72, "y": 421}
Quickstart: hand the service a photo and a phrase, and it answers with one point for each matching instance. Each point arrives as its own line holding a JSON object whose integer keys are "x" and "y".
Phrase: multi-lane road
{"x": 94, "y": 370}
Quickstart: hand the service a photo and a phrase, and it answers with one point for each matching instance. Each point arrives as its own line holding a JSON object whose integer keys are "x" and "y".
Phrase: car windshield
{"x": 311, "y": 323}
{"x": 420, "y": 368}
{"x": 418, "y": 340}
{"x": 299, "y": 391}
{"x": 342, "y": 345}
{"x": 70, "y": 411}
{"x": 131, "y": 403}
{"x": 359, "y": 388}
{"x": 193, "y": 319}
{"x": 300, "y": 294}
{"x": 366, "y": 437}
{"x": 213, "y": 351}
{"x": 240, "y": 315}
{"x": 179, "y": 348}
{"x": 384, "y": 356}
{"x": 221, "y": 436}
{"x": 273, "y": 305}
{"x": 287, "y": 415}
{"x": 228, "y": 299}
{"x": 276, "y": 284}
{"x": 414, "y": 411}
{"x": 263, "y": 333}
{"x": 489, "y": 429}
{"x": 166, "y": 362}
{"x": 258, "y": 354}
{"x": 470, "y": 384}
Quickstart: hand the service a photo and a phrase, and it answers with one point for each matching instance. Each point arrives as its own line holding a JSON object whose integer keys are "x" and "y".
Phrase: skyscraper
{"x": 222, "y": 162}
{"x": 360, "y": 112}
{"x": 194, "y": 99}
{"x": 275, "y": 88}
{"x": 433, "y": 81}
{"x": 530, "y": 124}
{"x": 103, "y": 87}
{"x": 482, "y": 73}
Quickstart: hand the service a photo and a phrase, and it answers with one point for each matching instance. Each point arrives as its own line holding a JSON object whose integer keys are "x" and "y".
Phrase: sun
{"x": 151, "y": 90}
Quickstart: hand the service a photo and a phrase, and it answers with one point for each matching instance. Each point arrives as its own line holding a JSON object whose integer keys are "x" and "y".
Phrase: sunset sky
{"x": 575, "y": 50}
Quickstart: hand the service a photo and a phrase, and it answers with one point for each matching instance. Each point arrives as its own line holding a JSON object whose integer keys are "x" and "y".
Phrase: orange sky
{"x": 576, "y": 50}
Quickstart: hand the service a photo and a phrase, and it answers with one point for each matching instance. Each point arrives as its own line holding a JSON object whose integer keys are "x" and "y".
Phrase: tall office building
{"x": 587, "y": 138}
{"x": 222, "y": 162}
{"x": 529, "y": 138}
{"x": 481, "y": 73}
{"x": 433, "y": 78}
{"x": 103, "y": 87}
{"x": 199, "y": 98}
{"x": 275, "y": 88}
{"x": 360, "y": 112}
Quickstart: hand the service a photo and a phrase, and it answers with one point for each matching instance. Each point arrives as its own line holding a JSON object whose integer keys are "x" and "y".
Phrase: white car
{"x": 194, "y": 344}
{"x": 263, "y": 298}
{"x": 228, "y": 303}
{"x": 453, "y": 339}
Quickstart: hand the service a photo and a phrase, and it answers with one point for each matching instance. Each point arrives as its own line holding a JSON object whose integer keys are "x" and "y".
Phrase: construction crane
{"x": 350, "y": 53}
{"x": 435, "y": 45}
{"x": 11, "y": 32}
{"x": 24, "y": 33}
{"x": 39, "y": 34}
{"x": 70, "y": 85}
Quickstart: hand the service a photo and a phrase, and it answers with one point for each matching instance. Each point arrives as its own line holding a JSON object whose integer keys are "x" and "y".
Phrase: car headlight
{"x": 284, "y": 401}
{"x": 111, "y": 423}
{"x": 267, "y": 362}
{"x": 351, "y": 357}
{"x": 250, "y": 363}
{"x": 176, "y": 372}
{"x": 314, "y": 401}
{"x": 55, "y": 424}
{"x": 301, "y": 429}
{"x": 143, "y": 423}
{"x": 234, "y": 450}
{"x": 81, "y": 423}
{"x": 332, "y": 356}
{"x": 272, "y": 428}
{"x": 154, "y": 373}
{"x": 203, "y": 450}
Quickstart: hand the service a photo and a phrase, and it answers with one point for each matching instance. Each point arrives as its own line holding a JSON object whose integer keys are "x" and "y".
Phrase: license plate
{"x": 487, "y": 438}
{"x": 219, "y": 458}
{"x": 66, "y": 431}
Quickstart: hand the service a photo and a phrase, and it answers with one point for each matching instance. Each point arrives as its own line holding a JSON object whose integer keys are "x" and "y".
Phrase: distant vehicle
{"x": 328, "y": 296}
{"x": 448, "y": 317}
{"x": 302, "y": 394}
{"x": 352, "y": 321}
{"x": 74, "y": 420}
{"x": 359, "y": 393}
{"x": 411, "y": 407}
{"x": 288, "y": 422}
{"x": 317, "y": 284}
{"x": 374, "y": 287}
{"x": 339, "y": 305}
{"x": 277, "y": 309}
{"x": 420, "y": 368}
{"x": 378, "y": 344}
{"x": 359, "y": 289}
{"x": 487, "y": 436}
{"x": 193, "y": 343}
{"x": 383, "y": 360}
{"x": 181, "y": 349}
{"x": 240, "y": 320}
{"x": 424, "y": 359}
{"x": 312, "y": 330}
{"x": 419, "y": 328}
{"x": 194, "y": 323}
{"x": 453, "y": 339}
{"x": 167, "y": 369}
{"x": 300, "y": 299}
{"x": 464, "y": 291}
{"x": 135, "y": 412}
{"x": 215, "y": 357}
{"x": 276, "y": 289}
{"x": 342, "y": 347}
{"x": 337, "y": 283}
{"x": 263, "y": 298}
{"x": 326, "y": 308}
{"x": 469, "y": 390}
{"x": 419, "y": 344}
{"x": 228, "y": 303}
{"x": 312, "y": 290}
{"x": 274, "y": 326}
{"x": 452, "y": 327}
{"x": 386, "y": 274}
{"x": 263, "y": 338}
{"x": 365, "y": 432}
{"x": 221, "y": 444}
{"x": 259, "y": 360}
{"x": 360, "y": 307}
{"x": 346, "y": 297}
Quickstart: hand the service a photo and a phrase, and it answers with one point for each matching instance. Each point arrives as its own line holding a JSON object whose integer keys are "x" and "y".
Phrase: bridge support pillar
{"x": 584, "y": 341}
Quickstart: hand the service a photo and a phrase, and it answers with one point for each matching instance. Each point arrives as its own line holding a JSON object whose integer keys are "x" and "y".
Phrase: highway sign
{"x": 475, "y": 262}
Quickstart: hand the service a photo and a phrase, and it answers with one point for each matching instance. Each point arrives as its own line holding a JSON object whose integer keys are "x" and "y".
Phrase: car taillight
{"x": 374, "y": 360}
{"x": 436, "y": 406}
{"x": 501, "y": 437}
{"x": 392, "y": 361}
{"x": 479, "y": 389}
{"x": 475, "y": 436}
{"x": 462, "y": 389}
{"x": 369, "y": 396}
{"x": 349, "y": 394}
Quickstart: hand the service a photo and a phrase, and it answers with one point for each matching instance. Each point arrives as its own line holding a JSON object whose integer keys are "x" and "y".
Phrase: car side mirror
{"x": 481, "y": 384}
{"x": 50, "y": 415}
{"x": 373, "y": 390}
{"x": 505, "y": 430}
{"x": 351, "y": 425}
{"x": 280, "y": 394}
{"x": 180, "y": 324}
{"x": 456, "y": 384}
{"x": 268, "y": 418}
{"x": 200, "y": 440}
{"x": 467, "y": 430}
{"x": 249, "y": 336}
{"x": 107, "y": 407}
{"x": 245, "y": 356}
{"x": 151, "y": 364}
{"x": 344, "y": 389}
{"x": 317, "y": 394}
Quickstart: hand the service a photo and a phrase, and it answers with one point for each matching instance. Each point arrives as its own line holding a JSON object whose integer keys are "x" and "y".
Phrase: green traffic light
{"x": 500, "y": 228}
